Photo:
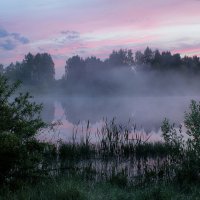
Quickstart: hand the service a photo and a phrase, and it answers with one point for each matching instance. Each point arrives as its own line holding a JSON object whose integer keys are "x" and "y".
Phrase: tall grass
{"x": 117, "y": 154}
{"x": 120, "y": 153}
{"x": 122, "y": 158}
{"x": 113, "y": 140}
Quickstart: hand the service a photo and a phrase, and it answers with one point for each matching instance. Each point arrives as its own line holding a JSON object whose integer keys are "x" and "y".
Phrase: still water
{"x": 147, "y": 113}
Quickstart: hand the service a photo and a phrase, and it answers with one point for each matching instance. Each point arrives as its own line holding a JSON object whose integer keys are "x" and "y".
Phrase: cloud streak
{"x": 3, "y": 33}
{"x": 9, "y": 41}
{"x": 7, "y": 45}
{"x": 68, "y": 37}
{"x": 21, "y": 39}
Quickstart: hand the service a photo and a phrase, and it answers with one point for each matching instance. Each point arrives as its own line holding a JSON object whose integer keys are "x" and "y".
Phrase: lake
{"x": 144, "y": 113}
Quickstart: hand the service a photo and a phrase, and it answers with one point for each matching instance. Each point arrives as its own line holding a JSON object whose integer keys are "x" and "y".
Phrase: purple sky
{"x": 95, "y": 27}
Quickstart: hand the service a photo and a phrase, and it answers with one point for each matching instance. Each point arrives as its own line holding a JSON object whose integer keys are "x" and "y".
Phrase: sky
{"x": 64, "y": 28}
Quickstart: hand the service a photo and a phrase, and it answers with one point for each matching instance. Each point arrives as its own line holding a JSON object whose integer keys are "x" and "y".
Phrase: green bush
{"x": 184, "y": 155}
{"x": 20, "y": 152}
{"x": 192, "y": 123}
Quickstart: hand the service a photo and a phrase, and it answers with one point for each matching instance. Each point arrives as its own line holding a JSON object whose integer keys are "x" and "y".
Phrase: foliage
{"x": 33, "y": 70}
{"x": 1, "y": 69}
{"x": 73, "y": 188}
{"x": 22, "y": 156}
{"x": 192, "y": 123}
{"x": 171, "y": 137}
{"x": 120, "y": 72}
{"x": 185, "y": 155}
{"x": 115, "y": 75}
{"x": 20, "y": 152}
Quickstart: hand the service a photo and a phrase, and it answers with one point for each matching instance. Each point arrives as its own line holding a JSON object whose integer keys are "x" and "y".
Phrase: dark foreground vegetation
{"x": 73, "y": 188}
{"x": 120, "y": 164}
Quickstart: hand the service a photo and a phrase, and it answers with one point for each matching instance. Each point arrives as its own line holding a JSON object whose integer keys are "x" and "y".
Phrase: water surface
{"x": 147, "y": 113}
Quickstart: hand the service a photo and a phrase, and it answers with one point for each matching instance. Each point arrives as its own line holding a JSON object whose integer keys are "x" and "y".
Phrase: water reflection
{"x": 48, "y": 110}
{"x": 146, "y": 112}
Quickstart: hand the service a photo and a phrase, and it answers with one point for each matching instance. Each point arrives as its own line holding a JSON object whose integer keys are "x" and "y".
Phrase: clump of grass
{"x": 119, "y": 179}
{"x": 73, "y": 188}
{"x": 75, "y": 151}
{"x": 118, "y": 144}
{"x": 168, "y": 161}
{"x": 113, "y": 140}
{"x": 153, "y": 149}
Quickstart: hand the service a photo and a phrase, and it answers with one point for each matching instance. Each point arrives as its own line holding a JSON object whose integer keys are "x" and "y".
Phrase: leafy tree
{"x": 75, "y": 68}
{"x": 33, "y": 70}
{"x": 75, "y": 74}
{"x": 123, "y": 57}
{"x": 12, "y": 71}
{"x": 148, "y": 56}
{"x": 1, "y": 69}
{"x": 20, "y": 121}
{"x": 156, "y": 62}
{"x": 93, "y": 64}
{"x": 185, "y": 154}
{"x": 192, "y": 123}
{"x": 44, "y": 68}
{"x": 139, "y": 58}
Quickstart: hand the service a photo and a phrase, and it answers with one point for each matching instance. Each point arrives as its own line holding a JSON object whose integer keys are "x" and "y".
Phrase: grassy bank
{"x": 73, "y": 188}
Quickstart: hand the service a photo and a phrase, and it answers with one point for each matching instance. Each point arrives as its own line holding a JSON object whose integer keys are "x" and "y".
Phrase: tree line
{"x": 113, "y": 74}
{"x": 35, "y": 70}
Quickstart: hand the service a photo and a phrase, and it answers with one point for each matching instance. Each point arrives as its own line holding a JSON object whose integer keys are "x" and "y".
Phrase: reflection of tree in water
{"x": 48, "y": 110}
{"x": 93, "y": 109}
{"x": 123, "y": 109}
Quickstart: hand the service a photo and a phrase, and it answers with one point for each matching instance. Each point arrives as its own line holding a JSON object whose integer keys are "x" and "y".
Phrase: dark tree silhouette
{"x": 33, "y": 70}
{"x": 1, "y": 69}
{"x": 123, "y": 57}
{"x": 114, "y": 75}
{"x": 148, "y": 56}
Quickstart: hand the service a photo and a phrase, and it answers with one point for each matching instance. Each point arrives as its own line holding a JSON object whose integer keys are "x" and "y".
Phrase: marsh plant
{"x": 119, "y": 150}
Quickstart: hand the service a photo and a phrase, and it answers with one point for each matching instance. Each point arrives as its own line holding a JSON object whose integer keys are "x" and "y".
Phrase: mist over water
{"x": 140, "y": 89}
{"x": 147, "y": 113}
{"x": 135, "y": 98}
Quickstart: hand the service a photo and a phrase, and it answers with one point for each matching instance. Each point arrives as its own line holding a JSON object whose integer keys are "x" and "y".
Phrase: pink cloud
{"x": 191, "y": 51}
{"x": 42, "y": 24}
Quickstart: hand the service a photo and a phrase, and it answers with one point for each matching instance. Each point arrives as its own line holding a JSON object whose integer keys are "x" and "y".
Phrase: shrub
{"x": 20, "y": 121}
{"x": 184, "y": 157}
